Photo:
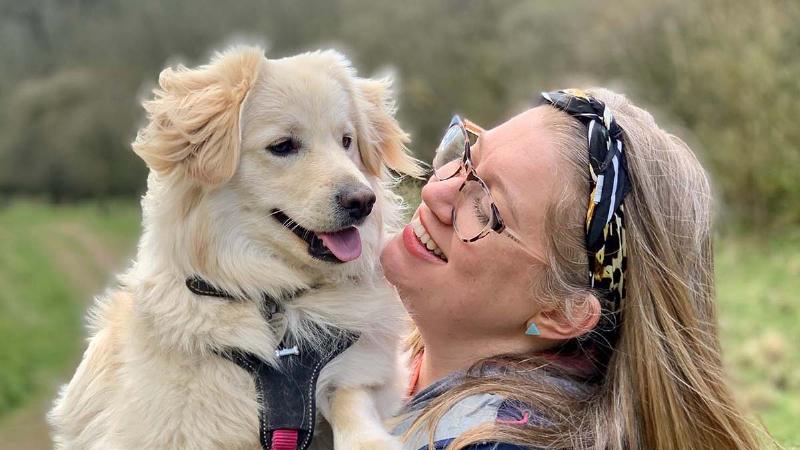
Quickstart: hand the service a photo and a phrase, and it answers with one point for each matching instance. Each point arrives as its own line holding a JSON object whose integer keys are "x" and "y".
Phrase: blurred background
{"x": 722, "y": 74}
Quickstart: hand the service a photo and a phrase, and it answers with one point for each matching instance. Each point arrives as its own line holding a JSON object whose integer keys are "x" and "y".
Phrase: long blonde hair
{"x": 662, "y": 385}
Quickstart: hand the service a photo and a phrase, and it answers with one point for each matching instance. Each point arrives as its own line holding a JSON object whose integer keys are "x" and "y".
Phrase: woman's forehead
{"x": 522, "y": 142}
{"x": 520, "y": 130}
{"x": 520, "y": 153}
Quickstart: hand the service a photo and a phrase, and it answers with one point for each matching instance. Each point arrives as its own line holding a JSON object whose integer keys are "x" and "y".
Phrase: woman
{"x": 546, "y": 323}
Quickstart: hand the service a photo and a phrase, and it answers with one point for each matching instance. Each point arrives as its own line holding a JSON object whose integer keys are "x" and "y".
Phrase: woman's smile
{"x": 419, "y": 242}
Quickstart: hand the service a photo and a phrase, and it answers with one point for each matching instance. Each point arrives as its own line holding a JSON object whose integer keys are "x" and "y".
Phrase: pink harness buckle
{"x": 284, "y": 439}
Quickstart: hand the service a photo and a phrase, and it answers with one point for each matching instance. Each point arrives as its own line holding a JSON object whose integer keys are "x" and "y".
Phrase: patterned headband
{"x": 605, "y": 216}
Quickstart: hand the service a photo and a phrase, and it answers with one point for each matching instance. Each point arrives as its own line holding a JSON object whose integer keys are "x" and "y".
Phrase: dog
{"x": 266, "y": 177}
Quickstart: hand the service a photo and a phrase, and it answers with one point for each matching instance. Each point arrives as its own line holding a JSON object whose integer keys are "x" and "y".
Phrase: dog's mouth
{"x": 337, "y": 247}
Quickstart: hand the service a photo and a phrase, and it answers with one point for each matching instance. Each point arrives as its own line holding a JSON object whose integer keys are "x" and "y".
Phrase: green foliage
{"x": 728, "y": 73}
{"x": 64, "y": 137}
{"x": 723, "y": 74}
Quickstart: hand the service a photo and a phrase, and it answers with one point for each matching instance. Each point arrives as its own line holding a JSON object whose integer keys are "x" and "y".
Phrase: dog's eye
{"x": 284, "y": 147}
{"x": 346, "y": 141}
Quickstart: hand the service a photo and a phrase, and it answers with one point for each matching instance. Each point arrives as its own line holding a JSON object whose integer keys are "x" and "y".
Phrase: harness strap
{"x": 286, "y": 390}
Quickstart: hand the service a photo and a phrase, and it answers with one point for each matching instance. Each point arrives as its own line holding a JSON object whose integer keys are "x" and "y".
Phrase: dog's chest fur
{"x": 130, "y": 394}
{"x": 133, "y": 392}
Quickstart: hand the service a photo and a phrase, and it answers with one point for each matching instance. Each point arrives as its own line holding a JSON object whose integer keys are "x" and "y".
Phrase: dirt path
{"x": 89, "y": 264}
{"x": 25, "y": 429}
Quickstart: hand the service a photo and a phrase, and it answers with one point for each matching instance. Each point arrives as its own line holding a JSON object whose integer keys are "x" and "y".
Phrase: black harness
{"x": 287, "y": 391}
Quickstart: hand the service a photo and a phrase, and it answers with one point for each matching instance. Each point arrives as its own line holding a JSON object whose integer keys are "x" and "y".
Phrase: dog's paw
{"x": 374, "y": 442}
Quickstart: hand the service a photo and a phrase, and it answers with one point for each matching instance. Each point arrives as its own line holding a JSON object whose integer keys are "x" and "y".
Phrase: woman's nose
{"x": 440, "y": 197}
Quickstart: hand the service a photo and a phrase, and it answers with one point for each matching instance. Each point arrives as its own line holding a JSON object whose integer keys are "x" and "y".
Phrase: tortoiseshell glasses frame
{"x": 475, "y": 213}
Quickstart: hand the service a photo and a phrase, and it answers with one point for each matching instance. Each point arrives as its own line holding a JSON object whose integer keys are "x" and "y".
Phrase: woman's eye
{"x": 346, "y": 141}
{"x": 284, "y": 147}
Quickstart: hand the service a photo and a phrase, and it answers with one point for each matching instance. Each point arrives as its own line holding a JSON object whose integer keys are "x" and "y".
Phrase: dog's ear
{"x": 383, "y": 142}
{"x": 193, "y": 119}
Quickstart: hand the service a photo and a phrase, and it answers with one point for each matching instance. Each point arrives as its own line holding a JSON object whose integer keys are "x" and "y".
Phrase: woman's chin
{"x": 403, "y": 270}
{"x": 413, "y": 276}
{"x": 391, "y": 259}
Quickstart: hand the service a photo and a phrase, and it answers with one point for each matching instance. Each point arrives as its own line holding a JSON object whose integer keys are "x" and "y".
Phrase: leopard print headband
{"x": 605, "y": 215}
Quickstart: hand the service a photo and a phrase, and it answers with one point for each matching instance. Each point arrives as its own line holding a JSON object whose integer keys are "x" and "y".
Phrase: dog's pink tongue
{"x": 345, "y": 244}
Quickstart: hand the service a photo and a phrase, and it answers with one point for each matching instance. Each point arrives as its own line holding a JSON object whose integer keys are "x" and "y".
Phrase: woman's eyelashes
{"x": 478, "y": 207}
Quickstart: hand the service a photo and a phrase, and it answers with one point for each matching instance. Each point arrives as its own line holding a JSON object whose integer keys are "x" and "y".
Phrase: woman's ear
{"x": 578, "y": 318}
{"x": 194, "y": 117}
{"x": 381, "y": 140}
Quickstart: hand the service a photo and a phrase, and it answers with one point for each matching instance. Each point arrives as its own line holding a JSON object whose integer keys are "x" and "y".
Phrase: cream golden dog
{"x": 263, "y": 175}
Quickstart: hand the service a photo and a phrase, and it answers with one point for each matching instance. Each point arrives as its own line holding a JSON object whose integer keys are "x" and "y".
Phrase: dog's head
{"x": 299, "y": 146}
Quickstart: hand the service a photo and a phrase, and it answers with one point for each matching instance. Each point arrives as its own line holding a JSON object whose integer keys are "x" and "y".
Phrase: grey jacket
{"x": 468, "y": 413}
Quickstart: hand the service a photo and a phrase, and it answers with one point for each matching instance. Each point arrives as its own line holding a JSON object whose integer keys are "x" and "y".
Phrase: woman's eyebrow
{"x": 510, "y": 201}
{"x": 496, "y": 183}
{"x": 475, "y": 148}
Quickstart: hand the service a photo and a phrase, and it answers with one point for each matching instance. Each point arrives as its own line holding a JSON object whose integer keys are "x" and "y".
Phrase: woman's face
{"x": 484, "y": 286}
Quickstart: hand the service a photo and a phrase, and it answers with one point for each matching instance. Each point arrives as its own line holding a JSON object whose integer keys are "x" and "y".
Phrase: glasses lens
{"x": 473, "y": 211}
{"x": 448, "y": 156}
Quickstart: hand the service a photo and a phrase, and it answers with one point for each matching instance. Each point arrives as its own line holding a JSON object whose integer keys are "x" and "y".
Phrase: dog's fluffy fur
{"x": 150, "y": 378}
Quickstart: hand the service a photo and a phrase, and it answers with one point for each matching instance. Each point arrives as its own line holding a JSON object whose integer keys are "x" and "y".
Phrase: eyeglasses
{"x": 475, "y": 213}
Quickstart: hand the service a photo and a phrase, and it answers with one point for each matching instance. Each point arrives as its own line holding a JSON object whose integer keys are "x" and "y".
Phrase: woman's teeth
{"x": 426, "y": 239}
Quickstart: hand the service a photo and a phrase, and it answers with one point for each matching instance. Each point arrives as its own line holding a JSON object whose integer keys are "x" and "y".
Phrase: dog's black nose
{"x": 357, "y": 202}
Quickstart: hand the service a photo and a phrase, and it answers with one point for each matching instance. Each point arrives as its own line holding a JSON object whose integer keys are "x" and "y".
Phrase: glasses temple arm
{"x": 472, "y": 127}
{"x": 507, "y": 232}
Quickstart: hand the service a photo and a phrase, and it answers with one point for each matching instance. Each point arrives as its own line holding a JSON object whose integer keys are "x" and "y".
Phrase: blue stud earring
{"x": 532, "y": 330}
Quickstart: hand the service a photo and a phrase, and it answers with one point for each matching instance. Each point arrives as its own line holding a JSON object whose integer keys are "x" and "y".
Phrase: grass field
{"x": 54, "y": 258}
{"x": 758, "y": 281}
